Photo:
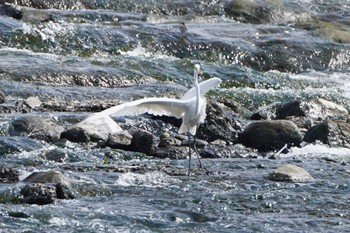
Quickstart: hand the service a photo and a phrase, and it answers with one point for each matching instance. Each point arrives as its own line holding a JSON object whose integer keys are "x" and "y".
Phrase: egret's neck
{"x": 198, "y": 91}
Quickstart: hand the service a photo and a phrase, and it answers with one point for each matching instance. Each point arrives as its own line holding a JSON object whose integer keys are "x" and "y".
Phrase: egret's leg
{"x": 189, "y": 153}
{"x": 198, "y": 156}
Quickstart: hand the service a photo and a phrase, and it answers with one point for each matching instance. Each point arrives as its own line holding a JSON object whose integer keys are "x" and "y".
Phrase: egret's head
{"x": 197, "y": 68}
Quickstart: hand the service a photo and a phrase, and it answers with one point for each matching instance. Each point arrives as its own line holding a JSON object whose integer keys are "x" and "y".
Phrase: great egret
{"x": 190, "y": 108}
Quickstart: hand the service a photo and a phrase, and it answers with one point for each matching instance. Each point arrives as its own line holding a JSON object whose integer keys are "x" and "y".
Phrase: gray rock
{"x": 57, "y": 155}
{"x": 291, "y": 108}
{"x": 52, "y": 177}
{"x": 40, "y": 194}
{"x": 291, "y": 173}
{"x": 165, "y": 142}
{"x": 119, "y": 140}
{"x": 2, "y": 97}
{"x": 26, "y": 14}
{"x": 36, "y": 127}
{"x": 319, "y": 132}
{"x": 32, "y": 102}
{"x": 92, "y": 129}
{"x": 270, "y": 135}
{"x": 143, "y": 141}
{"x": 8, "y": 175}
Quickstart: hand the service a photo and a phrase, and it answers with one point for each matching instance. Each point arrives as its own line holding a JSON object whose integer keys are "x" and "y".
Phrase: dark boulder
{"x": 333, "y": 133}
{"x": 36, "y": 127}
{"x": 8, "y": 175}
{"x": 142, "y": 141}
{"x": 92, "y": 129}
{"x": 46, "y": 187}
{"x": 40, "y": 194}
{"x": 219, "y": 122}
{"x": 57, "y": 155}
{"x": 291, "y": 108}
{"x": 270, "y": 135}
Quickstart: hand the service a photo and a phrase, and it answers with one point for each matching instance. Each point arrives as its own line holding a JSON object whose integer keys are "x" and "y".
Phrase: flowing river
{"x": 105, "y": 51}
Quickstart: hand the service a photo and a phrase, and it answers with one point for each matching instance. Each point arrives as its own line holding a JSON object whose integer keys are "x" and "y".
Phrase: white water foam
{"x": 150, "y": 179}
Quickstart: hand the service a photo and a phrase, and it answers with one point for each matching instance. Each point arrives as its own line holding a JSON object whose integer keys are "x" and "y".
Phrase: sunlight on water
{"x": 151, "y": 179}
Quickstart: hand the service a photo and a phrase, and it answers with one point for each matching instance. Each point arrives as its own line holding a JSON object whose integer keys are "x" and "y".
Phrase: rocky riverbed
{"x": 275, "y": 141}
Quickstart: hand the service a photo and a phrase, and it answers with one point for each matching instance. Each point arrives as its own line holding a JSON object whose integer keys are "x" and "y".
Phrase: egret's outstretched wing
{"x": 204, "y": 87}
{"x": 155, "y": 106}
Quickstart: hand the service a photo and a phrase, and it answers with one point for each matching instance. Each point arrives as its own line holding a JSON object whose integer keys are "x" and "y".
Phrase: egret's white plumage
{"x": 190, "y": 108}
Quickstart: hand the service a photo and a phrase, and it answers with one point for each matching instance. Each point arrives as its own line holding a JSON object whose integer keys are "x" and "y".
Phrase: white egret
{"x": 190, "y": 108}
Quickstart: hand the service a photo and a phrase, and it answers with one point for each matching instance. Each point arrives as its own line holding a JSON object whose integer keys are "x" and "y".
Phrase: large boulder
{"x": 333, "y": 133}
{"x": 316, "y": 109}
{"x": 270, "y": 135}
{"x": 92, "y": 129}
{"x": 36, "y": 127}
{"x": 291, "y": 173}
{"x": 219, "y": 122}
{"x": 46, "y": 187}
{"x": 15, "y": 144}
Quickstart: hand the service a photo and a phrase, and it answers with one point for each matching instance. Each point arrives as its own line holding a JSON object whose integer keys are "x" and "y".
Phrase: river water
{"x": 264, "y": 51}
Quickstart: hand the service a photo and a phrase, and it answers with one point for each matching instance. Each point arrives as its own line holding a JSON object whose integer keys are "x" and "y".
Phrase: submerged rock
{"x": 36, "y": 127}
{"x": 8, "y": 175}
{"x": 270, "y": 135}
{"x": 2, "y": 97}
{"x": 290, "y": 173}
{"x": 97, "y": 129}
{"x": 57, "y": 155}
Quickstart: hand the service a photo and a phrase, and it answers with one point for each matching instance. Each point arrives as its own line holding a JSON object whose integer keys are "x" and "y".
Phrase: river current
{"x": 265, "y": 52}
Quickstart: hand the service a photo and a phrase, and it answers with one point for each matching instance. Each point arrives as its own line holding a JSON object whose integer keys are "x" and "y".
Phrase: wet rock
{"x": 164, "y": 142}
{"x": 14, "y": 144}
{"x": 57, "y": 155}
{"x": 270, "y": 135}
{"x": 316, "y": 109}
{"x": 291, "y": 173}
{"x": 32, "y": 102}
{"x": 36, "y": 127}
{"x": 2, "y": 97}
{"x": 96, "y": 129}
{"x": 219, "y": 123}
{"x": 143, "y": 141}
{"x": 317, "y": 132}
{"x": 171, "y": 152}
{"x": 8, "y": 175}
{"x": 119, "y": 140}
{"x": 64, "y": 191}
{"x": 333, "y": 133}
{"x": 53, "y": 177}
{"x": 40, "y": 194}
{"x": 255, "y": 12}
{"x": 291, "y": 108}
{"x": 26, "y": 14}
